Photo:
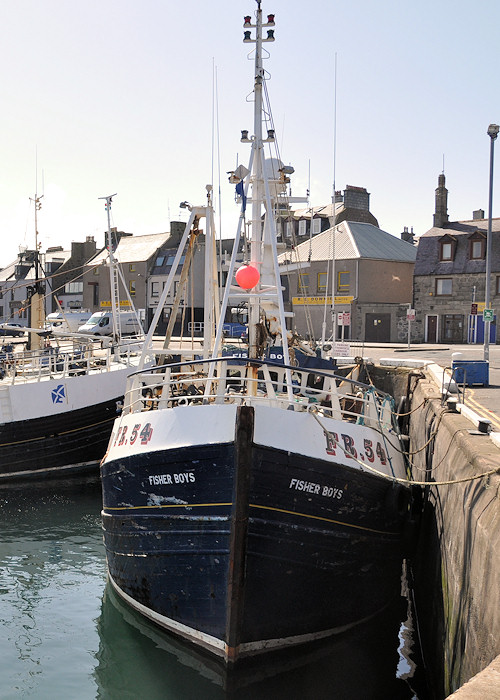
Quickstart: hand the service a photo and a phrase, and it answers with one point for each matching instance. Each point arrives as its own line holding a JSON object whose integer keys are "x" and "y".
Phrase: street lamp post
{"x": 493, "y": 130}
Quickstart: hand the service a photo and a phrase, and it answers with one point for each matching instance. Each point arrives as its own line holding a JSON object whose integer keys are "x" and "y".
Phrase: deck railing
{"x": 240, "y": 381}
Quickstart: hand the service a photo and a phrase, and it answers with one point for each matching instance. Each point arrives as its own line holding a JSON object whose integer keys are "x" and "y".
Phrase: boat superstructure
{"x": 256, "y": 500}
{"x": 58, "y": 399}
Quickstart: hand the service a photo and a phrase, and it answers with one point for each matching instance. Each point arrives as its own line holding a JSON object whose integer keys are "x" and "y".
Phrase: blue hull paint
{"x": 246, "y": 557}
{"x": 74, "y": 441}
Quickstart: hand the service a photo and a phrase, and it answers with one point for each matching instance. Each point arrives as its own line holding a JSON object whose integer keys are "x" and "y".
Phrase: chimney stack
{"x": 441, "y": 215}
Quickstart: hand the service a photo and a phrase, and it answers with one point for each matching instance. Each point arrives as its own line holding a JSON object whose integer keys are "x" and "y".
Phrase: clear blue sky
{"x": 117, "y": 96}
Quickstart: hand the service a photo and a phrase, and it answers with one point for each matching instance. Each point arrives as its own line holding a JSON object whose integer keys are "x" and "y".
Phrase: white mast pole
{"x": 255, "y": 243}
{"x": 113, "y": 278}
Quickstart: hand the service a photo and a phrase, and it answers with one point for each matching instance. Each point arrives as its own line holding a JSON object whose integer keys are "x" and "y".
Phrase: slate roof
{"x": 428, "y": 263}
{"x": 342, "y": 213}
{"x": 134, "y": 248}
{"x": 8, "y": 272}
{"x": 352, "y": 240}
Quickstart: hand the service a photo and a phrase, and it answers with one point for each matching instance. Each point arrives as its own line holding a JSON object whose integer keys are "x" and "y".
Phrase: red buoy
{"x": 247, "y": 276}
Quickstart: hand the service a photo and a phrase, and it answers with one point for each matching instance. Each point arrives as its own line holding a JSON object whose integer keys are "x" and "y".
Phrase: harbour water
{"x": 64, "y": 633}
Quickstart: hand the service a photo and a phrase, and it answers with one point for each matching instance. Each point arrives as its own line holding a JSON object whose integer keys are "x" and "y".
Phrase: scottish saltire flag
{"x": 58, "y": 394}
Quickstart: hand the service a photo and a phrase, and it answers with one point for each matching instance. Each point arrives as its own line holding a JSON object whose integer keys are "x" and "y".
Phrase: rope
{"x": 409, "y": 482}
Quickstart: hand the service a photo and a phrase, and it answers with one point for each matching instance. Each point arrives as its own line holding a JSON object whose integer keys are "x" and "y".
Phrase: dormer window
{"x": 446, "y": 252}
{"x": 477, "y": 246}
{"x": 447, "y": 248}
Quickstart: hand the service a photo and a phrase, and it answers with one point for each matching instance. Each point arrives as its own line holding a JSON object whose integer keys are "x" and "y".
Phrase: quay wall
{"x": 456, "y": 563}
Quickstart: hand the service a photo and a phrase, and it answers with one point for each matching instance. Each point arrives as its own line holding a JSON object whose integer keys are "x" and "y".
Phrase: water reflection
{"x": 52, "y": 573}
{"x": 65, "y": 634}
{"x": 136, "y": 659}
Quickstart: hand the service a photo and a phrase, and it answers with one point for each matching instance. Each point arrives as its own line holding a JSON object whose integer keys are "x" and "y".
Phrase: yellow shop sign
{"x": 319, "y": 301}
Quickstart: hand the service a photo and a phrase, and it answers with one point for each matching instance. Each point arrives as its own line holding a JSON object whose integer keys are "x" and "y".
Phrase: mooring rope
{"x": 399, "y": 480}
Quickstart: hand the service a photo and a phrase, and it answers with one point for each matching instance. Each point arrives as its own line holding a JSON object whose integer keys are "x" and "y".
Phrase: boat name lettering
{"x": 182, "y": 478}
{"x": 348, "y": 448}
{"x": 311, "y": 487}
{"x": 144, "y": 432}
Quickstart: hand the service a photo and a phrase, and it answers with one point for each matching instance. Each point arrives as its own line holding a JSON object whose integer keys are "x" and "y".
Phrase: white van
{"x": 67, "y": 321}
{"x": 101, "y": 323}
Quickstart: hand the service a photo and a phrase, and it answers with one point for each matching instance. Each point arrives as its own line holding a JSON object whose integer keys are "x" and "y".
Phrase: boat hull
{"x": 243, "y": 547}
{"x": 73, "y": 441}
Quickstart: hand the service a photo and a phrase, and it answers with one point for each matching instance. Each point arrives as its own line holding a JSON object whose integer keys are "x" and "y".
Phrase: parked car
{"x": 12, "y": 330}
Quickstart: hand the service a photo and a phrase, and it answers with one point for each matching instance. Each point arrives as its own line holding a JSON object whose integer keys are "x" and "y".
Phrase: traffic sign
{"x": 488, "y": 315}
{"x": 410, "y": 314}
{"x": 473, "y": 309}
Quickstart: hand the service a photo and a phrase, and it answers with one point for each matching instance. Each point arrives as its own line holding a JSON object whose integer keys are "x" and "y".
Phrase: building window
{"x": 316, "y": 224}
{"x": 96, "y": 270}
{"x": 476, "y": 251}
{"x": 446, "y": 252}
{"x": 131, "y": 267}
{"x": 343, "y": 281}
{"x": 444, "y": 287}
{"x": 155, "y": 289}
{"x": 160, "y": 260}
{"x": 497, "y": 285}
{"x": 303, "y": 283}
{"x": 171, "y": 258}
{"x": 322, "y": 279}
{"x": 289, "y": 229}
{"x": 131, "y": 288}
{"x": 302, "y": 227}
{"x": 73, "y": 288}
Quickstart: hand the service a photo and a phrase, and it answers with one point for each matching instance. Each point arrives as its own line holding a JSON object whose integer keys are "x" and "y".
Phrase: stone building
{"x": 450, "y": 275}
{"x": 364, "y": 270}
{"x": 351, "y": 205}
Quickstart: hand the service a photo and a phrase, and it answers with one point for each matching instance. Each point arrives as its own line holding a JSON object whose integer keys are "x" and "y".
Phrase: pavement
{"x": 484, "y": 400}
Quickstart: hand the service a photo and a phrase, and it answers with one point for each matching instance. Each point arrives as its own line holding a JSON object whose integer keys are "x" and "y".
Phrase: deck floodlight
{"x": 244, "y": 136}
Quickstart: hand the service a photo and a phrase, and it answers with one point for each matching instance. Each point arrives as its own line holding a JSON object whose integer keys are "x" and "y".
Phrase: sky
{"x": 147, "y": 100}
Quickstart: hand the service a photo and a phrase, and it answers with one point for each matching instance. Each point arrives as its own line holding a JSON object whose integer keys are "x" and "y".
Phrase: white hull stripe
{"x": 218, "y": 646}
{"x": 49, "y": 470}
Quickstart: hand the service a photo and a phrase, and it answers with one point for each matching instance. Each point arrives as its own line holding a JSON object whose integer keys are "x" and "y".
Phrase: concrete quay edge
{"x": 483, "y": 686}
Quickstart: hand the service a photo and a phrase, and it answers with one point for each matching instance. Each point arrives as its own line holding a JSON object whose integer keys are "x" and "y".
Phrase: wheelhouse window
{"x": 444, "y": 287}
{"x": 155, "y": 289}
{"x": 131, "y": 267}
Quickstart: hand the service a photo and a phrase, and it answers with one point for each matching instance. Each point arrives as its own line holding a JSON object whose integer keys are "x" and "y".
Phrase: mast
{"x": 37, "y": 291}
{"x": 113, "y": 275}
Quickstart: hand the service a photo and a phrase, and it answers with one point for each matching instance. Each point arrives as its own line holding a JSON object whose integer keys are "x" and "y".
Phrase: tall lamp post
{"x": 493, "y": 130}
